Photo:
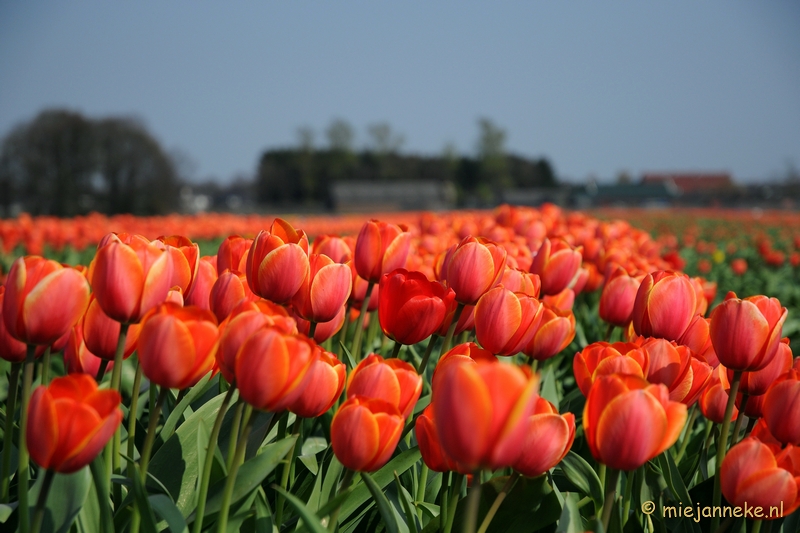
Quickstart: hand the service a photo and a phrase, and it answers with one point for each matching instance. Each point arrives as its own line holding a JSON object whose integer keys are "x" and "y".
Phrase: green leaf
{"x": 673, "y": 478}
{"x": 251, "y": 474}
{"x": 384, "y": 507}
{"x": 177, "y": 413}
{"x": 349, "y": 357}
{"x": 382, "y": 477}
{"x": 165, "y": 508}
{"x": 406, "y": 501}
{"x": 570, "y": 520}
{"x": 549, "y": 390}
{"x": 263, "y": 522}
{"x": 5, "y": 512}
{"x": 65, "y": 500}
{"x": 430, "y": 509}
{"x": 311, "y": 447}
{"x": 582, "y": 475}
{"x": 310, "y": 520}
{"x": 175, "y": 464}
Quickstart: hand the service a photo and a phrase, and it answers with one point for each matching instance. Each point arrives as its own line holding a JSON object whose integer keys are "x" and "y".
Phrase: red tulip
{"x": 33, "y": 286}
{"x": 481, "y": 412}
{"x": 391, "y": 380}
{"x": 557, "y": 264}
{"x": 229, "y": 290}
{"x": 10, "y": 348}
{"x": 555, "y": 332}
{"x": 177, "y": 345}
{"x": 271, "y": 367}
{"x": 359, "y": 292}
{"x": 277, "y": 263}
{"x": 697, "y": 338}
{"x": 678, "y": 368}
{"x": 324, "y": 291}
{"x": 517, "y": 280}
{"x": 618, "y": 296}
{"x": 340, "y": 249}
{"x": 628, "y": 421}
{"x": 746, "y": 333}
{"x": 429, "y": 446}
{"x": 411, "y": 308}
{"x": 755, "y": 476}
{"x": 77, "y": 357}
{"x": 101, "y": 333}
{"x": 473, "y": 267}
{"x": 714, "y": 398}
{"x": 380, "y": 248}
{"x": 781, "y": 408}
{"x": 70, "y": 421}
{"x": 185, "y": 260}
{"x": 323, "y": 330}
{"x": 129, "y": 277}
{"x": 365, "y": 432}
{"x": 758, "y": 382}
{"x": 548, "y": 438}
{"x": 321, "y": 387}
{"x": 664, "y": 306}
{"x": 505, "y": 322}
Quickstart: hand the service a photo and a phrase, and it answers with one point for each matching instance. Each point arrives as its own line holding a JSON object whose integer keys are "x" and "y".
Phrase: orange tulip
{"x": 603, "y": 359}
{"x": 232, "y": 254}
{"x": 380, "y": 248}
{"x": 101, "y": 333}
{"x": 359, "y": 291}
{"x": 199, "y": 294}
{"x": 34, "y": 285}
{"x": 555, "y": 332}
{"x": 271, "y": 367}
{"x": 697, "y": 338}
{"x": 429, "y": 446}
{"x": 714, "y": 398}
{"x": 323, "y": 330}
{"x": 322, "y": 386}
{"x": 177, "y": 345}
{"x": 505, "y": 322}
{"x": 665, "y": 305}
{"x": 229, "y": 290}
{"x": 324, "y": 291}
{"x": 77, "y": 357}
{"x": 753, "y": 475}
{"x": 129, "y": 276}
{"x": 628, "y": 421}
{"x": 758, "y": 382}
{"x": 70, "y": 421}
{"x": 781, "y": 408}
{"x": 746, "y": 333}
{"x": 340, "y": 249}
{"x": 557, "y": 264}
{"x": 517, "y": 280}
{"x": 277, "y": 263}
{"x": 365, "y": 432}
{"x": 678, "y": 368}
{"x": 618, "y": 296}
{"x": 481, "y": 412}
{"x": 472, "y": 267}
{"x": 185, "y": 260}
{"x": 244, "y": 320}
{"x": 548, "y": 438}
{"x": 391, "y": 380}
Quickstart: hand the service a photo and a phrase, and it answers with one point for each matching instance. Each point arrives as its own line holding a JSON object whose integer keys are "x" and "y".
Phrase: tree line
{"x": 65, "y": 164}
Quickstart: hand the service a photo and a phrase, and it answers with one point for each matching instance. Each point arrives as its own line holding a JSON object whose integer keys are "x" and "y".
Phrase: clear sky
{"x": 597, "y": 87}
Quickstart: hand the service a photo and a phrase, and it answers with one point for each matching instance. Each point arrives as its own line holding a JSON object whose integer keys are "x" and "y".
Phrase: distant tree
{"x": 492, "y": 157}
{"x": 383, "y": 140}
{"x": 340, "y": 136}
{"x": 63, "y": 164}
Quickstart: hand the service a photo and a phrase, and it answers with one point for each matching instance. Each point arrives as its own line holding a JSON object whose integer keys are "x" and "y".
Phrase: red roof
{"x": 689, "y": 182}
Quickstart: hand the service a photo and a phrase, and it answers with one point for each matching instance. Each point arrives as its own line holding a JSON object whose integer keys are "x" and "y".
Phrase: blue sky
{"x": 597, "y": 87}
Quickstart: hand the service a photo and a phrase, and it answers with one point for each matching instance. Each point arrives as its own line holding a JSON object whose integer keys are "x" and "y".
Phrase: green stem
{"x": 722, "y": 445}
{"x": 24, "y": 458}
{"x": 312, "y": 328}
{"x": 750, "y": 425}
{"x": 150, "y": 438}
{"x": 422, "y": 485}
{"x": 356, "y": 348}
{"x": 46, "y": 367}
{"x": 473, "y": 502}
{"x": 38, "y": 514}
{"x": 101, "y": 370}
{"x": 455, "y": 495}
{"x": 241, "y": 446}
{"x": 739, "y": 419}
{"x": 209, "y": 462}
{"x": 626, "y": 498}
{"x": 134, "y": 407}
{"x": 609, "y": 332}
{"x": 372, "y": 331}
{"x": 424, "y": 363}
{"x": 396, "y": 349}
{"x": 347, "y": 479}
{"x": 687, "y": 434}
{"x": 498, "y": 501}
{"x": 8, "y": 432}
{"x": 99, "y": 476}
{"x": 444, "y": 498}
{"x": 234, "y": 435}
{"x": 448, "y": 340}
{"x": 611, "y": 495}
{"x": 287, "y": 468}
{"x": 756, "y": 526}
{"x": 535, "y": 365}
{"x": 113, "y": 447}
{"x": 342, "y": 338}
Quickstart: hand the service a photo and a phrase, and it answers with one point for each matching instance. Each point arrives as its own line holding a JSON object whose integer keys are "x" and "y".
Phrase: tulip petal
{"x": 631, "y": 430}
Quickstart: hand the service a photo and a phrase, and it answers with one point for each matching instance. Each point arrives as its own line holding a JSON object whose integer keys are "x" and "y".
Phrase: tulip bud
{"x": 324, "y": 291}
{"x": 411, "y": 308}
{"x": 199, "y": 294}
{"x": 548, "y": 438}
{"x": 101, "y": 333}
{"x": 603, "y": 359}
{"x": 665, "y": 305}
{"x": 555, "y": 332}
{"x": 232, "y": 254}
{"x": 321, "y": 387}
{"x": 781, "y": 408}
{"x": 277, "y": 263}
{"x": 473, "y": 267}
{"x": 380, "y": 248}
{"x": 365, "y": 432}
{"x": 505, "y": 322}
{"x": 391, "y": 380}
{"x": 618, "y": 296}
{"x": 557, "y": 264}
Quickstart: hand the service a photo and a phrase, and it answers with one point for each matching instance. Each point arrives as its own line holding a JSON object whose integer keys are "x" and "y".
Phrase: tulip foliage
{"x": 515, "y": 370}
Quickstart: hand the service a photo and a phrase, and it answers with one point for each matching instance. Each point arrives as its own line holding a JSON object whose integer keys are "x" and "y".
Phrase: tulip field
{"x": 515, "y": 370}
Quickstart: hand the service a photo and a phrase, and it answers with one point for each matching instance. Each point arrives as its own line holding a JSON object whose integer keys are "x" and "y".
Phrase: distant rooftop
{"x": 689, "y": 182}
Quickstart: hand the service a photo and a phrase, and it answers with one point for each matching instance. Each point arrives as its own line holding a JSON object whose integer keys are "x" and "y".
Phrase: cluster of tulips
{"x": 331, "y": 334}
